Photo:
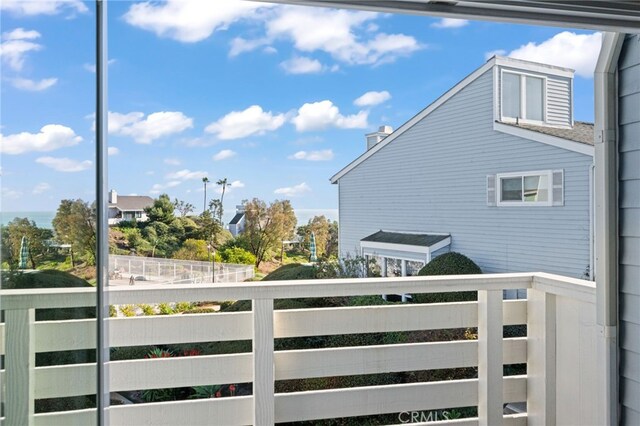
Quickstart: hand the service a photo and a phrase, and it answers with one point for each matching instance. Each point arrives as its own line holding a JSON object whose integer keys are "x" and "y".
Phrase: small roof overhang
{"x": 404, "y": 245}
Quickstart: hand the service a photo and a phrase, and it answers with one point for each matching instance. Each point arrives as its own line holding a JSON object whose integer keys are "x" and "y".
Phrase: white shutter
{"x": 557, "y": 187}
{"x": 491, "y": 190}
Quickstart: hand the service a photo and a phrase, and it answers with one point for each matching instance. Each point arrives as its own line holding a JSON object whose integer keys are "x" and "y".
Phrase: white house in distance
{"x": 496, "y": 169}
{"x": 127, "y": 207}
{"x": 236, "y": 225}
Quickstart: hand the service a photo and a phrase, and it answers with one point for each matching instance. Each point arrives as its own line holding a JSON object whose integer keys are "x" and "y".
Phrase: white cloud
{"x": 240, "y": 124}
{"x": 224, "y": 154}
{"x": 236, "y": 184}
{"x": 146, "y": 130}
{"x": 293, "y": 191}
{"x": 450, "y": 23}
{"x": 190, "y": 20}
{"x": 37, "y": 7}
{"x": 112, "y": 150}
{"x": 92, "y": 67}
{"x": 372, "y": 98}
{"x": 566, "y": 49}
{"x": 15, "y": 46}
{"x": 324, "y": 155}
{"x": 50, "y": 137}
{"x": 302, "y": 65}
{"x": 185, "y": 174}
{"x": 64, "y": 164}
{"x": 324, "y": 114}
{"x": 172, "y": 161}
{"x": 497, "y": 52}
{"x": 241, "y": 45}
{"x": 41, "y": 187}
{"x": 159, "y": 187}
{"x": 32, "y": 85}
{"x": 339, "y": 33}
{"x": 9, "y": 193}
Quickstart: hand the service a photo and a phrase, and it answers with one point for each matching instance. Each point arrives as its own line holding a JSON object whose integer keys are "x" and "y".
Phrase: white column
{"x": 490, "y": 393}
{"x": 404, "y": 274}
{"x": 541, "y": 360}
{"x": 383, "y": 272}
{"x": 20, "y": 363}
{"x": 263, "y": 366}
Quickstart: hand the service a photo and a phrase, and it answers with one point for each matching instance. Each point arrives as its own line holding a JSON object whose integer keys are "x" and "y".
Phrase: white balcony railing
{"x": 559, "y": 350}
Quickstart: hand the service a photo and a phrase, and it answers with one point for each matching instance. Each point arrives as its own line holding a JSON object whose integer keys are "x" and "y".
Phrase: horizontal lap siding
{"x": 433, "y": 177}
{"x": 629, "y": 226}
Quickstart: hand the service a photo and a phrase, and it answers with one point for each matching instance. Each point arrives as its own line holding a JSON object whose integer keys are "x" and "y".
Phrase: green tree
{"x": 12, "y": 235}
{"x": 267, "y": 226}
{"x": 321, "y": 227}
{"x": 75, "y": 224}
{"x": 161, "y": 210}
{"x": 193, "y": 250}
{"x": 183, "y": 207}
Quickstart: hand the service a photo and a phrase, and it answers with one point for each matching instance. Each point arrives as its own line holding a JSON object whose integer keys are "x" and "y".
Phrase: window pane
{"x": 511, "y": 189}
{"x": 536, "y": 188}
{"x": 510, "y": 95}
{"x": 534, "y": 99}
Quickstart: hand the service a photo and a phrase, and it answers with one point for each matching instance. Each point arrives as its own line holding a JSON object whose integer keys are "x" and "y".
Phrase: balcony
{"x": 559, "y": 352}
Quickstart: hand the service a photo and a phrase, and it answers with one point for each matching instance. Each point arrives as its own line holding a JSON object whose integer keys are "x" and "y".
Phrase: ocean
{"x": 42, "y": 219}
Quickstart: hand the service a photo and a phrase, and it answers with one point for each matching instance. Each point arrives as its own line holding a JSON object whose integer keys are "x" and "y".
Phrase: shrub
{"x": 128, "y": 310}
{"x": 292, "y": 271}
{"x": 147, "y": 309}
{"x": 451, "y": 263}
{"x": 183, "y": 306}
{"x": 237, "y": 255}
{"x": 165, "y": 309}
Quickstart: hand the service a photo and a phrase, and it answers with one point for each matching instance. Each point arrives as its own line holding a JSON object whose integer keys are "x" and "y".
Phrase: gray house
{"x": 127, "y": 207}
{"x": 496, "y": 168}
{"x": 236, "y": 225}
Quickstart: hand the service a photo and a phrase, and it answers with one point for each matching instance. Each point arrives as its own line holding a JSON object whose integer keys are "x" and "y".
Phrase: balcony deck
{"x": 559, "y": 350}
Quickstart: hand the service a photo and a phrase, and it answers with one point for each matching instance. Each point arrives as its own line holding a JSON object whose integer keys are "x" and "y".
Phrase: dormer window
{"x": 522, "y": 97}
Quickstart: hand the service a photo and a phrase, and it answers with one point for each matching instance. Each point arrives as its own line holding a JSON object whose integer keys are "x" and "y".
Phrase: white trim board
{"x": 544, "y": 138}
{"x": 405, "y": 247}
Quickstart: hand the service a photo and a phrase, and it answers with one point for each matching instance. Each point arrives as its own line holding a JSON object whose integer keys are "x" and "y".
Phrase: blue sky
{"x": 274, "y": 98}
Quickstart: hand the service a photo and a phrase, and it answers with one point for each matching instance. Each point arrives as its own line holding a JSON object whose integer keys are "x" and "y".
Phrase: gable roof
{"x": 494, "y": 61}
{"x": 132, "y": 202}
{"x": 236, "y": 219}
{"x": 423, "y": 240}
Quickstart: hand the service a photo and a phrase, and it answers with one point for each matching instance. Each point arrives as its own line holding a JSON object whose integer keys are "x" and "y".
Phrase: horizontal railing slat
{"x": 156, "y": 293}
{"x": 79, "y": 379}
{"x": 363, "y": 401}
{"x": 67, "y": 418}
{"x": 507, "y": 420}
{"x": 192, "y": 328}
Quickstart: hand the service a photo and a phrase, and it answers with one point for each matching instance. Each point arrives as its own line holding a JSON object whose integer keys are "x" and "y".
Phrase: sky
{"x": 275, "y": 98}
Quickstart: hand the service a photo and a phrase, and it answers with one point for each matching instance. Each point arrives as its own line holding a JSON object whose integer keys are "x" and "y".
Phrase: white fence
{"x": 177, "y": 271}
{"x": 560, "y": 386}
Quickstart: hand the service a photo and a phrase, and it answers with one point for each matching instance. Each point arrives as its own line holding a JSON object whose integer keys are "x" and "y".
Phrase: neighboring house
{"x": 127, "y": 207}
{"x": 496, "y": 169}
{"x": 236, "y": 226}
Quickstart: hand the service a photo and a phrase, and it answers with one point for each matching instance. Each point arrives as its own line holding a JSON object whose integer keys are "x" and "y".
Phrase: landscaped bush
{"x": 237, "y": 255}
{"x": 451, "y": 263}
{"x": 292, "y": 271}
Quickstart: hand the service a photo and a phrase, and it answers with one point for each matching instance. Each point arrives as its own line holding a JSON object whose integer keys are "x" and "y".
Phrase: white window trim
{"x": 523, "y": 95}
{"x": 548, "y": 203}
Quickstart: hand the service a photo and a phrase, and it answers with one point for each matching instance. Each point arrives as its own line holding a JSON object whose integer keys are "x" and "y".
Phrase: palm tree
{"x": 224, "y": 183}
{"x": 205, "y": 180}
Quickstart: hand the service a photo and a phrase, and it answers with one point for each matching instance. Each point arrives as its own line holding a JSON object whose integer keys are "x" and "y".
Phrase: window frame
{"x": 523, "y": 203}
{"x": 523, "y": 97}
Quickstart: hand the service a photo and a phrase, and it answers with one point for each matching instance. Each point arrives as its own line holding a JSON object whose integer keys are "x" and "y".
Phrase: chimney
{"x": 240, "y": 209}
{"x": 113, "y": 197}
{"x": 375, "y": 137}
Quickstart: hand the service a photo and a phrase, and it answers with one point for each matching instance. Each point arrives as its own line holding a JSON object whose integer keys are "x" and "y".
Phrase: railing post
{"x": 541, "y": 358}
{"x": 20, "y": 363}
{"x": 490, "y": 393}
{"x": 263, "y": 374}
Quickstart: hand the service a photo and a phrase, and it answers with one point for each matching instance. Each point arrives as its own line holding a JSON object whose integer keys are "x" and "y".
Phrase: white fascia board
{"x": 396, "y": 247}
{"x": 523, "y": 65}
{"x": 543, "y": 138}
{"x": 405, "y": 247}
{"x": 422, "y": 114}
